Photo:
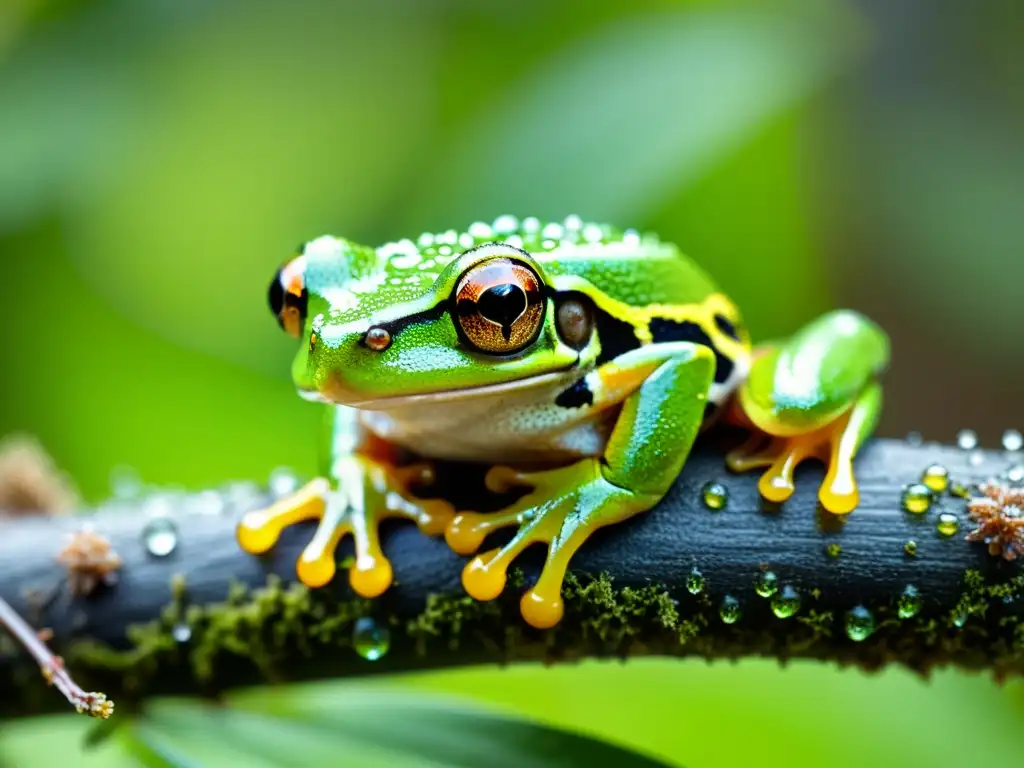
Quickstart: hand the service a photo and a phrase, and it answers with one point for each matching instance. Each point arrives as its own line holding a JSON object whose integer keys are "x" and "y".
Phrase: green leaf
{"x": 326, "y": 724}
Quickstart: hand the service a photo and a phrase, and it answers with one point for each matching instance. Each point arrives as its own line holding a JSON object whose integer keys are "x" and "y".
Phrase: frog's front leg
{"x": 663, "y": 392}
{"x": 362, "y": 490}
{"x": 813, "y": 396}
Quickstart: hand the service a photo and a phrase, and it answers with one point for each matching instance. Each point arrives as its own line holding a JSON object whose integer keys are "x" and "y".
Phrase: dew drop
{"x": 125, "y": 483}
{"x": 915, "y": 438}
{"x": 715, "y": 495}
{"x": 766, "y": 583}
{"x": 959, "y": 617}
{"x": 695, "y": 582}
{"x": 531, "y": 224}
{"x": 833, "y": 550}
{"x": 786, "y": 603}
{"x": 573, "y": 222}
{"x": 947, "y": 524}
{"x": 1015, "y": 474}
{"x": 910, "y": 548}
{"x": 860, "y": 623}
{"x": 967, "y": 439}
{"x": 960, "y": 490}
{"x": 181, "y": 632}
{"x": 160, "y": 536}
{"x": 976, "y": 458}
{"x": 505, "y": 225}
{"x": 936, "y": 478}
{"x": 917, "y": 498}
{"x": 909, "y": 603}
{"x": 480, "y": 230}
{"x": 1013, "y": 440}
{"x": 282, "y": 482}
{"x": 730, "y": 611}
{"x": 370, "y": 639}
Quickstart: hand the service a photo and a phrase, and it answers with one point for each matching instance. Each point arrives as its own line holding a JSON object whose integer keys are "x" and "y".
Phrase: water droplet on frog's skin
{"x": 967, "y": 439}
{"x": 935, "y": 477}
{"x": 181, "y": 632}
{"x": 730, "y": 611}
{"x": 1013, "y": 440}
{"x": 833, "y": 550}
{"x": 976, "y": 458}
{"x": 915, "y": 438}
{"x": 370, "y": 639}
{"x": 786, "y": 603}
{"x": 160, "y": 536}
{"x": 860, "y": 623}
{"x": 910, "y": 548}
{"x": 909, "y": 603}
{"x": 505, "y": 225}
{"x": 947, "y": 524}
{"x": 917, "y": 498}
{"x": 695, "y": 582}
{"x": 282, "y": 482}
{"x": 1015, "y": 474}
{"x": 766, "y": 583}
{"x": 715, "y": 495}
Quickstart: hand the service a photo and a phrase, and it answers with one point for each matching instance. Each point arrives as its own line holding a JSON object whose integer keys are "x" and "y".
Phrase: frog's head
{"x": 381, "y": 327}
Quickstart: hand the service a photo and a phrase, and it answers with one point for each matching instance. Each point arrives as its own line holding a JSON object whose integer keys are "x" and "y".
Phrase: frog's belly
{"x": 492, "y": 431}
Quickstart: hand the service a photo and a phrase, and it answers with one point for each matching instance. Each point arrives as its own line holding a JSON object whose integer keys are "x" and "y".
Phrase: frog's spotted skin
{"x": 578, "y": 360}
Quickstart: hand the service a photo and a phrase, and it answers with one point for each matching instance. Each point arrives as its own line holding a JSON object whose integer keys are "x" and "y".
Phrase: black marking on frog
{"x": 726, "y": 326}
{"x": 665, "y": 330}
{"x": 617, "y": 336}
{"x": 576, "y": 396}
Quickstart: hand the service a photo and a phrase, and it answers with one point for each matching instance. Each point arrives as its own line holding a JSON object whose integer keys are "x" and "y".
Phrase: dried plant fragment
{"x": 90, "y": 561}
{"x": 999, "y": 513}
{"x": 30, "y": 483}
{"x": 92, "y": 704}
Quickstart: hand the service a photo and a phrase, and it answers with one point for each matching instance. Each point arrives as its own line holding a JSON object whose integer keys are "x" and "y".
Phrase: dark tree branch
{"x": 170, "y": 626}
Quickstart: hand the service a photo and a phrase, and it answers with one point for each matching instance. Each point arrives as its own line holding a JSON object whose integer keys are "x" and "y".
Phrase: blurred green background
{"x": 159, "y": 158}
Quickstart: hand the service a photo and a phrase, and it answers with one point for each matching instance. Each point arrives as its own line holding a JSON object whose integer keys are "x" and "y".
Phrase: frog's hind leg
{"x": 815, "y": 396}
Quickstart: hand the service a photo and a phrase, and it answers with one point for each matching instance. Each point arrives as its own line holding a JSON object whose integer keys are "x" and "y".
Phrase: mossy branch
{"x": 207, "y": 616}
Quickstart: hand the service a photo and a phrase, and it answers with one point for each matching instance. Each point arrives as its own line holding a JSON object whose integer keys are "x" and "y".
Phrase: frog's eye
{"x": 288, "y": 296}
{"x": 499, "y": 306}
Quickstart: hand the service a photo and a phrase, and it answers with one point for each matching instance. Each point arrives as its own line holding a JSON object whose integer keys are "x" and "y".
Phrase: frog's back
{"x": 599, "y": 253}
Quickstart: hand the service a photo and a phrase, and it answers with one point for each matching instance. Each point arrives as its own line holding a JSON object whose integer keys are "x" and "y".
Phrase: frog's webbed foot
{"x": 835, "y": 444}
{"x": 564, "y": 507}
{"x": 367, "y": 493}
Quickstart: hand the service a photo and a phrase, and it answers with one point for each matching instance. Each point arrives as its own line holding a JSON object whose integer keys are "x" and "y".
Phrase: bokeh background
{"x": 159, "y": 158}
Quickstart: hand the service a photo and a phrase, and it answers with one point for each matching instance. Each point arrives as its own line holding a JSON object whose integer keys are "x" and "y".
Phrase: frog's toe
{"x": 260, "y": 529}
{"x": 776, "y": 485}
{"x": 542, "y": 606}
{"x": 500, "y": 479}
{"x": 467, "y": 530}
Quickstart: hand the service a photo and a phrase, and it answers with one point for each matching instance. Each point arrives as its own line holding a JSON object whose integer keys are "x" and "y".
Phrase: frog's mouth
{"x": 335, "y": 395}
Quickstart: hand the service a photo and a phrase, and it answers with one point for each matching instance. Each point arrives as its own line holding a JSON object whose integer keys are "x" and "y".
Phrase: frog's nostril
{"x": 502, "y": 304}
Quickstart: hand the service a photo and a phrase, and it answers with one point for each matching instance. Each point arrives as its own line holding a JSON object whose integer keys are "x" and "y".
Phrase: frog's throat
{"x": 565, "y": 375}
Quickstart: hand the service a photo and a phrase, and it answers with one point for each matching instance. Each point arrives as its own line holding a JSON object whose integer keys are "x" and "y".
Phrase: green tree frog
{"x": 578, "y": 361}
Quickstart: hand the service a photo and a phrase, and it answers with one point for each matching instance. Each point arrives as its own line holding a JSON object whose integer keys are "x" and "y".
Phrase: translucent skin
{"x": 605, "y": 419}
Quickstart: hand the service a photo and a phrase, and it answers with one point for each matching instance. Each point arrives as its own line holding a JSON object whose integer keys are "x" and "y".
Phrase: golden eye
{"x": 499, "y": 306}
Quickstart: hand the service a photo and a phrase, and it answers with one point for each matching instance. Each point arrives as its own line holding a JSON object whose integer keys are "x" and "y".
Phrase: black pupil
{"x": 503, "y": 305}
